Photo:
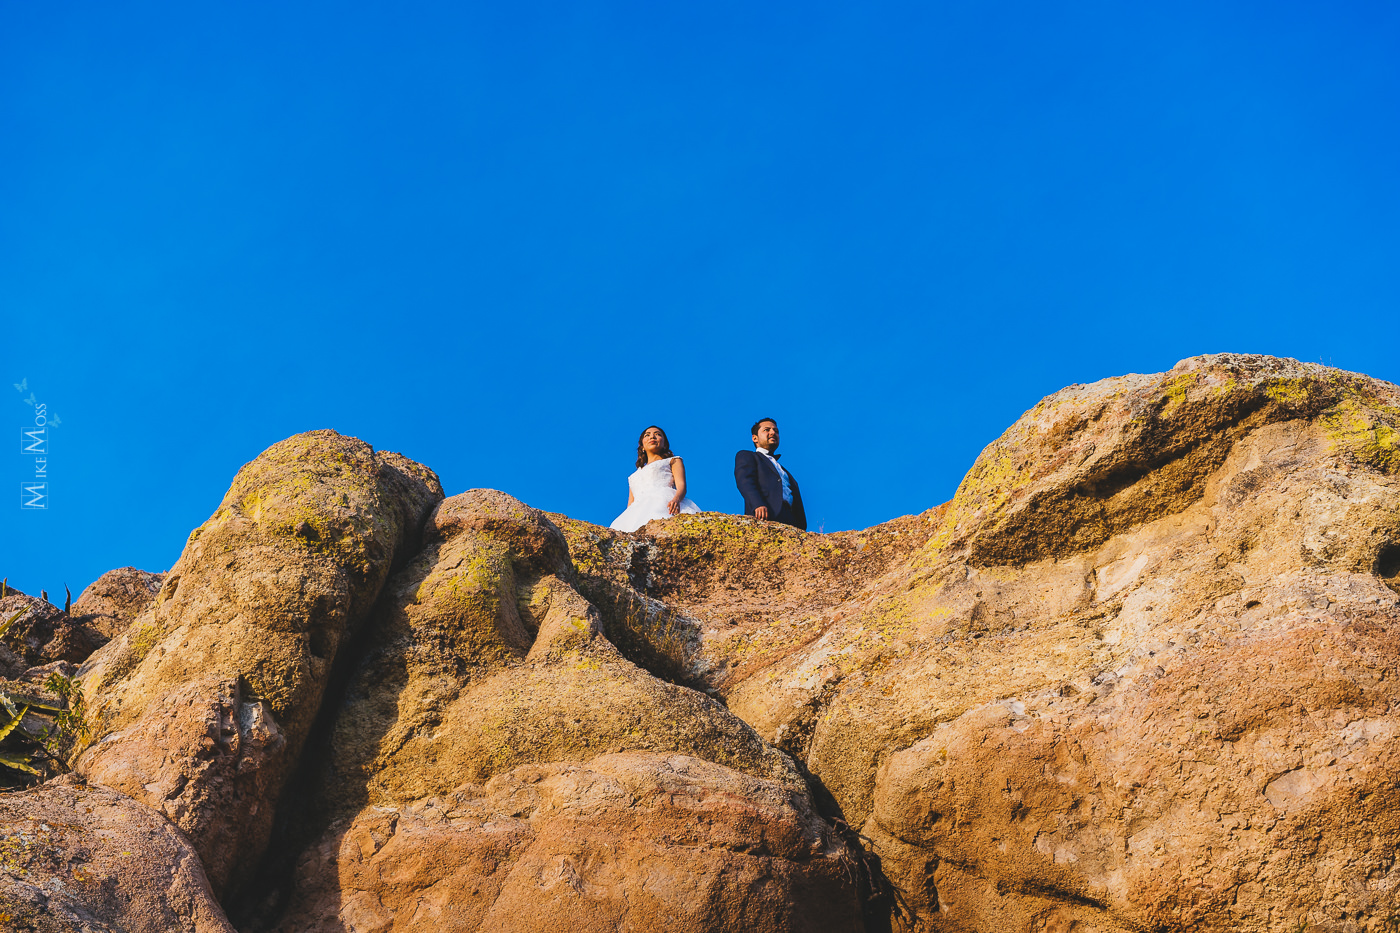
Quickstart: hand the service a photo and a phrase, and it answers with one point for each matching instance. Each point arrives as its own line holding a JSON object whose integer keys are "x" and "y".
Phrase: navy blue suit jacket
{"x": 760, "y": 484}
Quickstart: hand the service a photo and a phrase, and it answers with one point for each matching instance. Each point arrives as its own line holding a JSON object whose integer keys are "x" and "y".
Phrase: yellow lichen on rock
{"x": 1365, "y": 435}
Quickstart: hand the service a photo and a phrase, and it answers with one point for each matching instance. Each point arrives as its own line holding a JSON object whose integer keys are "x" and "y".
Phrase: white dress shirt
{"x": 787, "y": 484}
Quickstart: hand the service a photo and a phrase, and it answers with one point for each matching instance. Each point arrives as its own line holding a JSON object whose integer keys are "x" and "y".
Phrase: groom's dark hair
{"x": 754, "y": 430}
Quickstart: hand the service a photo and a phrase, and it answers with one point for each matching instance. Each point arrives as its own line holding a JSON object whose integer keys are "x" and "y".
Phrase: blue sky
{"x": 504, "y": 238}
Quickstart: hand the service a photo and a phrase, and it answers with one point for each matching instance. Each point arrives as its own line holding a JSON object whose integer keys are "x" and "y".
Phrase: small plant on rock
{"x": 38, "y": 732}
{"x": 70, "y": 728}
{"x": 12, "y": 754}
{"x": 5, "y": 626}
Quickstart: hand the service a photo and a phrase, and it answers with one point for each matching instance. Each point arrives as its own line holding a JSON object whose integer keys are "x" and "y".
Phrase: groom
{"x": 770, "y": 493}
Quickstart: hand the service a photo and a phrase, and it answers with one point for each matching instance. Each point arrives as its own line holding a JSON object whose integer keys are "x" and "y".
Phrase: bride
{"x": 657, "y": 489}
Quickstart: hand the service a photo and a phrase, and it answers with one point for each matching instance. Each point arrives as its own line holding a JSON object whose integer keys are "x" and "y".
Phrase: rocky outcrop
{"x": 531, "y": 773}
{"x": 1139, "y": 674}
{"x": 40, "y": 633}
{"x": 113, "y": 600}
{"x": 75, "y": 857}
{"x": 634, "y": 840}
{"x": 201, "y": 706}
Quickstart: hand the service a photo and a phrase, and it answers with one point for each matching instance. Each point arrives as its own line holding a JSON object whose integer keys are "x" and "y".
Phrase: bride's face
{"x": 653, "y": 441}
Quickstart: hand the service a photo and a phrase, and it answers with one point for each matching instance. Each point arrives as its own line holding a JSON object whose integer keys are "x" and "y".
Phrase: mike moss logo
{"x": 34, "y": 438}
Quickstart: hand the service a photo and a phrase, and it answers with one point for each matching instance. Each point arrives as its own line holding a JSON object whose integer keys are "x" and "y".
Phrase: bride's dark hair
{"x": 665, "y": 445}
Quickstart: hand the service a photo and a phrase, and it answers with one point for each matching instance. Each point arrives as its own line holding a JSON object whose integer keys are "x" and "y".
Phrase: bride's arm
{"x": 678, "y": 475}
{"x": 630, "y": 495}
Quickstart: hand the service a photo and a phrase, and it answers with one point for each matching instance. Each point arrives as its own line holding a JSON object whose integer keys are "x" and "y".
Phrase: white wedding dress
{"x": 652, "y": 487}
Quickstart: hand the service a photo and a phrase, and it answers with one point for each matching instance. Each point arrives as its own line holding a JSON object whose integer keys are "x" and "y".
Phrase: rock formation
{"x": 512, "y": 770}
{"x": 202, "y": 705}
{"x": 113, "y": 600}
{"x": 75, "y": 857}
{"x": 39, "y": 633}
{"x": 1141, "y": 673}
{"x": 1138, "y": 674}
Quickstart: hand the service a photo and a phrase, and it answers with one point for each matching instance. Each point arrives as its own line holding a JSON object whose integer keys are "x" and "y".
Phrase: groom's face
{"x": 767, "y": 436}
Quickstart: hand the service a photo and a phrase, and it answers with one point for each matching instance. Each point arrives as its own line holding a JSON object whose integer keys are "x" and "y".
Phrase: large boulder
{"x": 497, "y": 746}
{"x": 201, "y": 706}
{"x": 79, "y": 858}
{"x": 40, "y": 633}
{"x": 1138, "y": 674}
{"x": 634, "y": 840}
{"x": 711, "y": 599}
{"x": 484, "y": 657}
{"x": 1093, "y": 461}
{"x": 113, "y": 600}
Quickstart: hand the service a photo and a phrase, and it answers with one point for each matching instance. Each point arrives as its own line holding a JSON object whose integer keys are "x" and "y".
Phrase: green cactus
{"x": 5, "y": 626}
{"x": 56, "y": 726}
{"x": 9, "y": 757}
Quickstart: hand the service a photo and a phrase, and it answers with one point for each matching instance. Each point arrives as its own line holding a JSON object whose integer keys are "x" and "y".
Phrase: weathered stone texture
{"x": 202, "y": 704}
{"x": 516, "y": 771}
{"x": 80, "y": 858}
{"x": 113, "y": 600}
{"x": 625, "y": 841}
{"x": 40, "y": 633}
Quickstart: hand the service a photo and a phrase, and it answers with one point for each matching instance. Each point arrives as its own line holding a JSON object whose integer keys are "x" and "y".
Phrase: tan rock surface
{"x": 631, "y": 841}
{"x": 113, "y": 600}
{"x": 484, "y": 657}
{"x": 487, "y": 667}
{"x": 75, "y": 857}
{"x": 1138, "y": 674}
{"x": 202, "y": 705}
{"x": 42, "y": 634}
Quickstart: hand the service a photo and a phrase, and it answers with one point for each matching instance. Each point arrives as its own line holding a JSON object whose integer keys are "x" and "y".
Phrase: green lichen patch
{"x": 1093, "y": 461}
{"x": 1364, "y": 435}
{"x": 1174, "y": 391}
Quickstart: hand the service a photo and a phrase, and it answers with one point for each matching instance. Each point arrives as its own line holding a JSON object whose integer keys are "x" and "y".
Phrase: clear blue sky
{"x": 503, "y": 238}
